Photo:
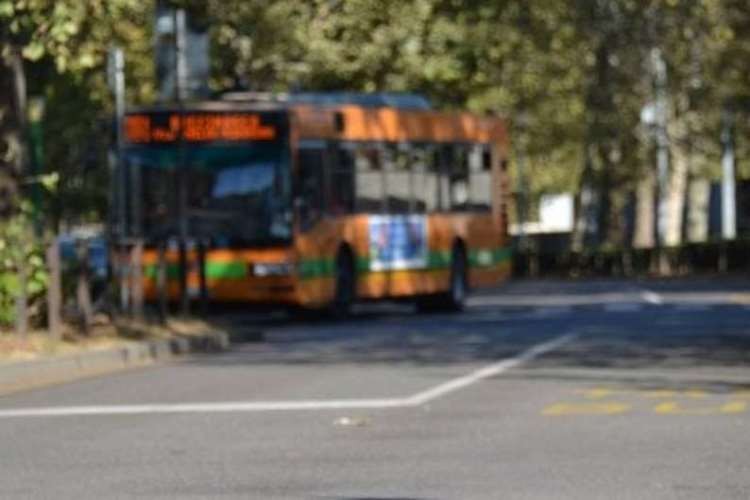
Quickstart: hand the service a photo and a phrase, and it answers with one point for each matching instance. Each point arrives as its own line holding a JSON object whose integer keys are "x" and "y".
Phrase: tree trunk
{"x": 677, "y": 188}
{"x": 645, "y": 215}
{"x": 12, "y": 106}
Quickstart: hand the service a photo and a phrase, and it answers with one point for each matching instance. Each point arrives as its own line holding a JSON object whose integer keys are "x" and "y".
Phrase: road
{"x": 541, "y": 389}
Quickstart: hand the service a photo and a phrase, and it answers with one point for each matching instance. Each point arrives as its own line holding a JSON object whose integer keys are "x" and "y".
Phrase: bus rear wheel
{"x": 345, "y": 289}
{"x": 454, "y": 299}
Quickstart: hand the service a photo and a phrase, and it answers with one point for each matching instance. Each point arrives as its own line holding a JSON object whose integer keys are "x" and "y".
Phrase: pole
{"x": 180, "y": 84}
{"x": 659, "y": 68}
{"x": 728, "y": 193}
{"x": 54, "y": 291}
{"x": 116, "y": 76}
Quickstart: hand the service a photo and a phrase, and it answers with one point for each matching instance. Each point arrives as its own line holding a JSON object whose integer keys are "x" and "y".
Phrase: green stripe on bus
{"x": 489, "y": 257}
{"x": 214, "y": 270}
{"x": 226, "y": 270}
{"x": 325, "y": 267}
{"x": 316, "y": 268}
{"x": 151, "y": 271}
{"x": 437, "y": 259}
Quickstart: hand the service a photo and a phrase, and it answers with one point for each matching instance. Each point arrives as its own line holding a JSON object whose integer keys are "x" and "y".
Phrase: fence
{"x": 709, "y": 257}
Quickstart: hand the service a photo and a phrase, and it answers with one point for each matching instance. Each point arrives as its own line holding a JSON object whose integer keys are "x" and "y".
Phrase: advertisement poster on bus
{"x": 398, "y": 242}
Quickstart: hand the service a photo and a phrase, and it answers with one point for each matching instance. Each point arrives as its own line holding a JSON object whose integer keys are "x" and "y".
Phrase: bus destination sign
{"x": 197, "y": 127}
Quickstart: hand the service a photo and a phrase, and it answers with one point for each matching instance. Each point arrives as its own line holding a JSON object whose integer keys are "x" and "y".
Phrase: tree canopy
{"x": 572, "y": 75}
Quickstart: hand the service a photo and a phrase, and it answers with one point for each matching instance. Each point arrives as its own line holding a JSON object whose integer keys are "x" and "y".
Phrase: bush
{"x": 20, "y": 250}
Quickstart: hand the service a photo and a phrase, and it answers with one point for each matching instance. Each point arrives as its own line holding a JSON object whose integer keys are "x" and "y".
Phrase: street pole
{"x": 521, "y": 202}
{"x": 180, "y": 29}
{"x": 662, "y": 153}
{"x": 116, "y": 77}
{"x": 728, "y": 193}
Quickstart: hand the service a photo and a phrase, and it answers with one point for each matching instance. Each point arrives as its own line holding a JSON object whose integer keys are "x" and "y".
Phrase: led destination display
{"x": 200, "y": 127}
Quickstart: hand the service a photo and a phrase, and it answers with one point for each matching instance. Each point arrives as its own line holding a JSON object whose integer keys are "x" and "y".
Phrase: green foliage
{"x": 571, "y": 74}
{"x": 18, "y": 249}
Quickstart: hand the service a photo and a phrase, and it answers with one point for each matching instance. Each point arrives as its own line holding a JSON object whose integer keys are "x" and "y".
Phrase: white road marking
{"x": 262, "y": 406}
{"x": 488, "y": 371}
{"x": 223, "y": 407}
{"x": 652, "y": 297}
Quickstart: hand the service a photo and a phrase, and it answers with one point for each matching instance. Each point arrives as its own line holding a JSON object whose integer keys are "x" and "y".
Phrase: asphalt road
{"x": 599, "y": 389}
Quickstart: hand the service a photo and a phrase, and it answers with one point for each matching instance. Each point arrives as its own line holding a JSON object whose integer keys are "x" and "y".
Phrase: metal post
{"x": 83, "y": 289}
{"x": 202, "y": 249}
{"x": 162, "y": 283}
{"x": 180, "y": 83}
{"x": 22, "y": 309}
{"x": 54, "y": 291}
{"x": 659, "y": 69}
{"x": 728, "y": 193}
{"x": 116, "y": 76}
{"x": 522, "y": 188}
{"x": 136, "y": 277}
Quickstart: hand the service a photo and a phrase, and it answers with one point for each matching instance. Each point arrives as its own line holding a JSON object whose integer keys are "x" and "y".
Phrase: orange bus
{"x": 319, "y": 202}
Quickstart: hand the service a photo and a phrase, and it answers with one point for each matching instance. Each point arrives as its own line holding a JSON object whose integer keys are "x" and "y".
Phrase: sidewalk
{"x": 39, "y": 362}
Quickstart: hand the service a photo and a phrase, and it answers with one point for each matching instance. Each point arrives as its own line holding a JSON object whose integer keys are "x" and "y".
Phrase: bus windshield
{"x": 235, "y": 194}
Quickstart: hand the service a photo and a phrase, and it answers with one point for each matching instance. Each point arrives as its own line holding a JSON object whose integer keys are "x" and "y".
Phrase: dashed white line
{"x": 652, "y": 297}
{"x": 265, "y": 406}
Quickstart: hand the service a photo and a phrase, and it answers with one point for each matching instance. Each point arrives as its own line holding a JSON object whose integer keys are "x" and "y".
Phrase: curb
{"x": 39, "y": 373}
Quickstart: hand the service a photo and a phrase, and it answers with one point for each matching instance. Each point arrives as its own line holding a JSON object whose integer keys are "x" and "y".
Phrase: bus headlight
{"x": 272, "y": 269}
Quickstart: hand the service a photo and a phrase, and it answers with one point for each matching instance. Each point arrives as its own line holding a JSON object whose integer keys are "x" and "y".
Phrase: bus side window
{"x": 480, "y": 186}
{"x": 458, "y": 174}
{"x": 398, "y": 182}
{"x": 368, "y": 179}
{"x": 424, "y": 186}
{"x": 310, "y": 185}
{"x": 341, "y": 199}
{"x": 443, "y": 162}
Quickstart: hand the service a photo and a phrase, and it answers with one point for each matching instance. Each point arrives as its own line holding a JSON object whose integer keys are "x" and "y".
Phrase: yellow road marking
{"x": 606, "y": 408}
{"x": 605, "y": 392}
{"x": 599, "y": 392}
{"x": 675, "y": 408}
{"x": 669, "y": 394}
{"x": 740, "y": 298}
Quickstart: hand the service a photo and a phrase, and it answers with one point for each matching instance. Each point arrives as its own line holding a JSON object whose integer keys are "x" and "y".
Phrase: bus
{"x": 318, "y": 200}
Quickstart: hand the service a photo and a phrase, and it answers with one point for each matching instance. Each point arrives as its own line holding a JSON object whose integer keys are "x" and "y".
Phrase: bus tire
{"x": 344, "y": 286}
{"x": 454, "y": 299}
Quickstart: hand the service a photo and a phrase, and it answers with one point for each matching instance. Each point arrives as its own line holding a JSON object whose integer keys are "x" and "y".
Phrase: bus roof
{"x": 400, "y": 100}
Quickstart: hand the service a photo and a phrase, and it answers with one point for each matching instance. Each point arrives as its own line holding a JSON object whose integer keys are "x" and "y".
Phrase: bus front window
{"x": 236, "y": 195}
